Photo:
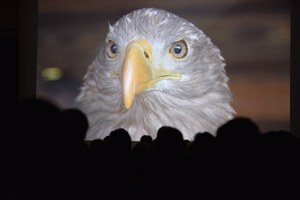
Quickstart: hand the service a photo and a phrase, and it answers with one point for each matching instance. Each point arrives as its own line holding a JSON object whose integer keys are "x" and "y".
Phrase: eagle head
{"x": 155, "y": 69}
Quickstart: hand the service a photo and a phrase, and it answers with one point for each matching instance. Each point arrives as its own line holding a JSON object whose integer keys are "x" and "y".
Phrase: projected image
{"x": 165, "y": 66}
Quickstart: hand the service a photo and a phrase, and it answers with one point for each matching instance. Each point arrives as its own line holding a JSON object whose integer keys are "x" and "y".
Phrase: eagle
{"x": 155, "y": 69}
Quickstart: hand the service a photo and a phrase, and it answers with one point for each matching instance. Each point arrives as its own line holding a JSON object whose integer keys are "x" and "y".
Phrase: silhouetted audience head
{"x": 37, "y": 147}
{"x": 77, "y": 123}
{"x": 203, "y": 143}
{"x": 238, "y": 130}
{"x": 282, "y": 142}
{"x": 169, "y": 140}
{"x": 147, "y": 139}
{"x": 204, "y": 139}
{"x": 119, "y": 142}
{"x": 37, "y": 116}
{"x": 280, "y": 137}
{"x": 40, "y": 126}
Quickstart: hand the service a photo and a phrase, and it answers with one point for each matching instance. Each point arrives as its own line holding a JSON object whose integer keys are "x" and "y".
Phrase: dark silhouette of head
{"x": 119, "y": 142}
{"x": 147, "y": 139}
{"x": 203, "y": 143}
{"x": 204, "y": 139}
{"x": 40, "y": 123}
{"x": 37, "y": 148}
{"x": 239, "y": 129}
{"x": 77, "y": 123}
{"x": 281, "y": 143}
{"x": 169, "y": 140}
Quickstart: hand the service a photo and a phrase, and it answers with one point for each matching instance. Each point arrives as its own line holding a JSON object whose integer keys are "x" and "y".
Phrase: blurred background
{"x": 253, "y": 36}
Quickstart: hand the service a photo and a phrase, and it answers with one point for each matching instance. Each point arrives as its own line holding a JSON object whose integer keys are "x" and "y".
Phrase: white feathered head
{"x": 155, "y": 69}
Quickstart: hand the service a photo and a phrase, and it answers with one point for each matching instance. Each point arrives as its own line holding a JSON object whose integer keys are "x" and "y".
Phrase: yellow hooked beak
{"x": 138, "y": 73}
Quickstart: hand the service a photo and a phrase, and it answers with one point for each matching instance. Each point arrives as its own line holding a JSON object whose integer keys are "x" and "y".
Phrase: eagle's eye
{"x": 179, "y": 49}
{"x": 111, "y": 49}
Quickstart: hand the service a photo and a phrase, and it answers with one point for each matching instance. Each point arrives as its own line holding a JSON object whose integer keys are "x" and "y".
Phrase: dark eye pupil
{"x": 113, "y": 48}
{"x": 177, "y": 49}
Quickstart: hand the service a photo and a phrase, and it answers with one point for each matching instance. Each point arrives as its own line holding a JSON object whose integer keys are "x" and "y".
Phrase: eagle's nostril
{"x": 146, "y": 55}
